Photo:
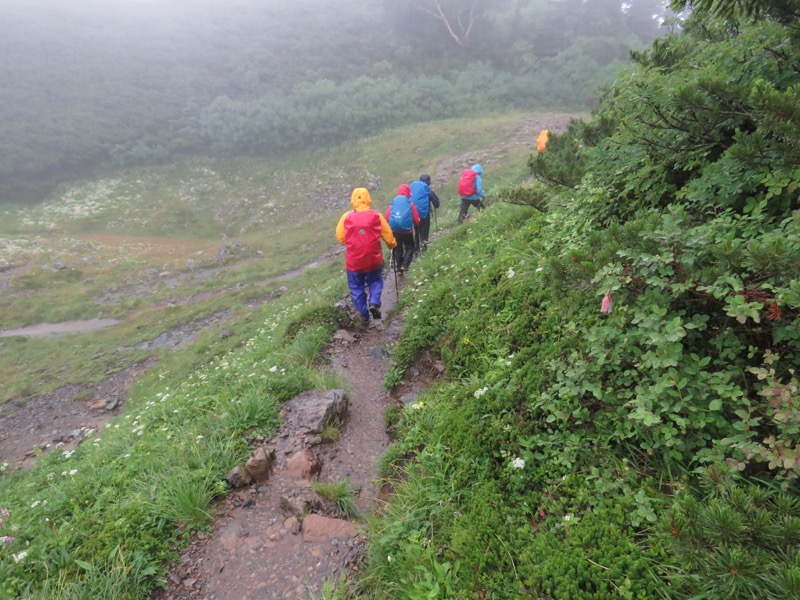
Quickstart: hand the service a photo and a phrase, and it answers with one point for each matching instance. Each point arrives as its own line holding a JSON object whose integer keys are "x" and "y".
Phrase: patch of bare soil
{"x": 63, "y": 418}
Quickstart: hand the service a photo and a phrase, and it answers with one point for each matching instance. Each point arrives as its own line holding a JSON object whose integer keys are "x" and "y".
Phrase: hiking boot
{"x": 375, "y": 311}
{"x": 401, "y": 271}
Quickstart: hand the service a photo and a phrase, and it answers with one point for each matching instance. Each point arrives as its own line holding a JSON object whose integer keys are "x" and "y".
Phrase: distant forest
{"x": 99, "y": 84}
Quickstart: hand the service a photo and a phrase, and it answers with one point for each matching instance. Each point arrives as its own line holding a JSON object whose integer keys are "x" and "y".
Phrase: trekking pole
{"x": 435, "y": 222}
{"x": 396, "y": 289}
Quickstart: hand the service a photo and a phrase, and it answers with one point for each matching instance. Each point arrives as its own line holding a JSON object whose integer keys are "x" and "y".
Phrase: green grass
{"x": 341, "y": 493}
{"x": 145, "y": 222}
{"x": 102, "y": 521}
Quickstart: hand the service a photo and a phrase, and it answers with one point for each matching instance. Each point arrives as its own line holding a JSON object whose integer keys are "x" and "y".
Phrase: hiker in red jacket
{"x": 470, "y": 188}
{"x": 361, "y": 230}
{"x": 403, "y": 217}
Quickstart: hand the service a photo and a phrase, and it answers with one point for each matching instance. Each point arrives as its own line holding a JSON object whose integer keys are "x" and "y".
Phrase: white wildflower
{"x": 518, "y": 463}
{"x": 481, "y": 392}
{"x": 511, "y": 273}
{"x": 20, "y": 556}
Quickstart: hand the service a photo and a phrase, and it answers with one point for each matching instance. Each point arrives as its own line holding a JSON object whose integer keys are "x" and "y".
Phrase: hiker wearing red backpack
{"x": 403, "y": 217}
{"x": 425, "y": 200}
{"x": 470, "y": 188}
{"x": 361, "y": 231}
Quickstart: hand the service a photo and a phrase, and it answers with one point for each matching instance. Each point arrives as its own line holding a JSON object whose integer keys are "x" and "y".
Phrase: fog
{"x": 99, "y": 84}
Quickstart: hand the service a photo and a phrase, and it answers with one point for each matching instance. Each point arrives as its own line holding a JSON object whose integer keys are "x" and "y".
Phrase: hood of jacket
{"x": 404, "y": 190}
{"x": 478, "y": 169}
{"x": 360, "y": 199}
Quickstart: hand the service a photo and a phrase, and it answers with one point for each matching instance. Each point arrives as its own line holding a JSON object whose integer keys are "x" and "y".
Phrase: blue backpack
{"x": 420, "y": 196}
{"x": 400, "y": 217}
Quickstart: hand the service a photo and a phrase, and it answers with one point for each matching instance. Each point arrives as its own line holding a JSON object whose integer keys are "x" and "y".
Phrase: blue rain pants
{"x": 359, "y": 283}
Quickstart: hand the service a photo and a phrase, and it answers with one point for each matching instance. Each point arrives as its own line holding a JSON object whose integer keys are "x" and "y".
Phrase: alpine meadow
{"x": 610, "y": 348}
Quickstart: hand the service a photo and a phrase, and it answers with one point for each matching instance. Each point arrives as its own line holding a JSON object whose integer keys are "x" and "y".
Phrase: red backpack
{"x": 466, "y": 185}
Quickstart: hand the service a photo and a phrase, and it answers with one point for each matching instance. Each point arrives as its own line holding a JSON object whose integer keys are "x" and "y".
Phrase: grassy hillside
{"x": 101, "y": 521}
{"x": 156, "y": 248}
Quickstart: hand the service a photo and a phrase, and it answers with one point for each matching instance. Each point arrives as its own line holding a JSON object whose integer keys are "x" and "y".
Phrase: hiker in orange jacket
{"x": 361, "y": 231}
{"x": 541, "y": 141}
{"x": 403, "y": 217}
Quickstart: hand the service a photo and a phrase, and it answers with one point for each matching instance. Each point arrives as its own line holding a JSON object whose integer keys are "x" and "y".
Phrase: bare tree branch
{"x": 461, "y": 36}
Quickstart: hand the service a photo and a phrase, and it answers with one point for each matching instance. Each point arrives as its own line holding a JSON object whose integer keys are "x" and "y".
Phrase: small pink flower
{"x": 7, "y": 539}
{"x": 606, "y": 306}
{"x": 4, "y": 512}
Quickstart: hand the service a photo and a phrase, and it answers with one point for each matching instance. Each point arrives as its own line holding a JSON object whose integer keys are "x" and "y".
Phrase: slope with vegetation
{"x": 651, "y": 450}
{"x": 646, "y": 452}
{"x": 103, "y": 520}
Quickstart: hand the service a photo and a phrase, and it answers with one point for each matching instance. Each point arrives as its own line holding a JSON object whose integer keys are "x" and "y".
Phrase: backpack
{"x": 420, "y": 196}
{"x": 363, "y": 241}
{"x": 466, "y": 185}
{"x": 400, "y": 217}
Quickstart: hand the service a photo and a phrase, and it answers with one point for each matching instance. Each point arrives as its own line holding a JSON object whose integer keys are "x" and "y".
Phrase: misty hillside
{"x": 94, "y": 85}
{"x": 615, "y": 341}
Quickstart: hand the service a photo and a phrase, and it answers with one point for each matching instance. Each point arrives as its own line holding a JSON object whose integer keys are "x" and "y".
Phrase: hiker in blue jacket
{"x": 470, "y": 188}
{"x": 403, "y": 217}
{"x": 425, "y": 200}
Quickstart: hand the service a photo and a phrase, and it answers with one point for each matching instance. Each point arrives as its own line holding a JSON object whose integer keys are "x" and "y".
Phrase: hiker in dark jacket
{"x": 361, "y": 231}
{"x": 425, "y": 200}
{"x": 470, "y": 188}
{"x": 403, "y": 217}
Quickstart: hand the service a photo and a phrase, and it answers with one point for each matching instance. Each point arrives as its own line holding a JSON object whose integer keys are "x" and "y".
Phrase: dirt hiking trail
{"x": 279, "y": 539}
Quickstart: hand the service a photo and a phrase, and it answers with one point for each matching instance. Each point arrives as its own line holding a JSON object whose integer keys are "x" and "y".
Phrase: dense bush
{"x": 650, "y": 448}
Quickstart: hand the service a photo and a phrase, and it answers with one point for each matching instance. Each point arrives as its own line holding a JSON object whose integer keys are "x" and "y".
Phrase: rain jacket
{"x": 361, "y": 230}
{"x": 541, "y": 141}
{"x": 478, "y": 184}
{"x": 402, "y": 203}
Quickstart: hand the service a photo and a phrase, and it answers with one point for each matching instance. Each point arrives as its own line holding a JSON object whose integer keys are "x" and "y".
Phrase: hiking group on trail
{"x": 405, "y": 229}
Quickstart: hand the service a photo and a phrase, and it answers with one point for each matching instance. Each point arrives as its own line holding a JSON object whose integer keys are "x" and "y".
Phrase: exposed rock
{"x": 259, "y": 465}
{"x": 304, "y": 464}
{"x": 344, "y": 336}
{"x": 299, "y": 502}
{"x": 239, "y": 477}
{"x": 225, "y": 333}
{"x": 310, "y": 411}
{"x": 318, "y": 529}
{"x": 97, "y": 405}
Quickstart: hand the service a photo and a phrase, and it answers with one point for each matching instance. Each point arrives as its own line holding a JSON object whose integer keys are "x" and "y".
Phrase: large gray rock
{"x": 309, "y": 412}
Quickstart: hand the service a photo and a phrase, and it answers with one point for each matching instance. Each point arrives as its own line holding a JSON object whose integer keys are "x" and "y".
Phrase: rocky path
{"x": 278, "y": 539}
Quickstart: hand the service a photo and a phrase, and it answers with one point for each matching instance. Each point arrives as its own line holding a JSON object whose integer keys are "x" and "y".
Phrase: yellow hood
{"x": 360, "y": 199}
